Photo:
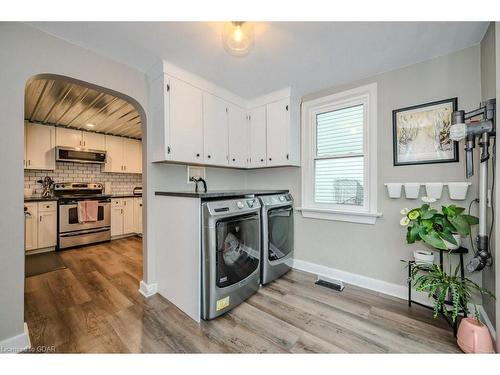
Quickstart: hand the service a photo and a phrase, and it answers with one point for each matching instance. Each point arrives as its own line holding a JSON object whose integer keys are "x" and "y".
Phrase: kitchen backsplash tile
{"x": 121, "y": 183}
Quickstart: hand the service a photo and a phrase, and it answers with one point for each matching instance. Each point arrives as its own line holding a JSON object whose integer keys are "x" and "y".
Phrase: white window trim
{"x": 367, "y": 214}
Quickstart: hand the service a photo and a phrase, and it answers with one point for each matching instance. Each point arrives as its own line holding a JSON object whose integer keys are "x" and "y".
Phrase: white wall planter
{"x": 423, "y": 257}
{"x": 412, "y": 189}
{"x": 394, "y": 189}
{"x": 458, "y": 190}
{"x": 434, "y": 189}
{"x": 451, "y": 246}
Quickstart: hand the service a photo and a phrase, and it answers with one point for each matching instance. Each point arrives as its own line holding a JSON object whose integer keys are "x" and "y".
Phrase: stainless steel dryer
{"x": 231, "y": 247}
{"x": 277, "y": 236}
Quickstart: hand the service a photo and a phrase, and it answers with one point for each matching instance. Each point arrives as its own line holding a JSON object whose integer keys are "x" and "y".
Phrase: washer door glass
{"x": 238, "y": 248}
{"x": 280, "y": 232}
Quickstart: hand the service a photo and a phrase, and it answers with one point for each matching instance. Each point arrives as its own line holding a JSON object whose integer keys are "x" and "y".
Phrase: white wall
{"x": 375, "y": 250}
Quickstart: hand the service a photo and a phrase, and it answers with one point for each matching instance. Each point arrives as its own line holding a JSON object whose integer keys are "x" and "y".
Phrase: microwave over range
{"x": 80, "y": 155}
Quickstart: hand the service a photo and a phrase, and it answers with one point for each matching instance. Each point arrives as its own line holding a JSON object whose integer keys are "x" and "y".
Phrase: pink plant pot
{"x": 474, "y": 337}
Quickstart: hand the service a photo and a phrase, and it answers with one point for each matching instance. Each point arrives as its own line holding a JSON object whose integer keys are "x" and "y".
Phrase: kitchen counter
{"x": 126, "y": 195}
{"x": 38, "y": 198}
{"x": 219, "y": 193}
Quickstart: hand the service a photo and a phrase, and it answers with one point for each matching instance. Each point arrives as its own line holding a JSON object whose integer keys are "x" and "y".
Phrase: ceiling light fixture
{"x": 237, "y": 38}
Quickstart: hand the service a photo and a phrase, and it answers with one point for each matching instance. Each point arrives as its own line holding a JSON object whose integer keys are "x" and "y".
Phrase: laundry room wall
{"x": 375, "y": 251}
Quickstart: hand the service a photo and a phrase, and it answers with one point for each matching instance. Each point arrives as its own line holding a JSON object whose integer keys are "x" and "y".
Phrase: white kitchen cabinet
{"x": 93, "y": 141}
{"x": 31, "y": 222}
{"x": 47, "y": 224}
{"x": 132, "y": 155}
{"x": 128, "y": 216}
{"x": 41, "y": 225}
{"x": 39, "y": 147}
{"x": 238, "y": 137}
{"x": 116, "y": 217}
{"x": 215, "y": 130}
{"x": 185, "y": 122}
{"x": 66, "y": 137}
{"x": 277, "y": 116}
{"x": 257, "y": 137}
{"x": 123, "y": 155}
{"x": 138, "y": 214}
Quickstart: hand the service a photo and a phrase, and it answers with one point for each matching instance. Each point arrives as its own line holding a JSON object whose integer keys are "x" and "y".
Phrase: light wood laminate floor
{"x": 94, "y": 306}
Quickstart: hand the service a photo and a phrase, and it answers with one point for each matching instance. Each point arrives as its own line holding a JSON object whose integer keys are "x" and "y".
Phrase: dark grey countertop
{"x": 37, "y": 198}
{"x": 219, "y": 193}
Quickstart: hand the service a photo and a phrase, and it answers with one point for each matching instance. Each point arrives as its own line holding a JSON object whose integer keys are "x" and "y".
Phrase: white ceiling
{"x": 306, "y": 55}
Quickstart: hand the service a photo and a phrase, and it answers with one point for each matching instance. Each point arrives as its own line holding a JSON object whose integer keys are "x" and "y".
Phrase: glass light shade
{"x": 238, "y": 38}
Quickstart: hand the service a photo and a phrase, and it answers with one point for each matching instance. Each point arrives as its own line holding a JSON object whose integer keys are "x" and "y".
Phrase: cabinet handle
{"x": 83, "y": 143}
{"x": 121, "y": 211}
{"x": 168, "y": 87}
{"x": 29, "y": 162}
{"x": 168, "y": 149}
{"x": 286, "y": 107}
{"x": 287, "y": 156}
{"x": 40, "y": 218}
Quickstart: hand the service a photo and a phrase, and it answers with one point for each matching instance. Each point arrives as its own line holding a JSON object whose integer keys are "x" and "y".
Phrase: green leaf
{"x": 472, "y": 220}
{"x": 448, "y": 236}
{"x": 460, "y": 224}
{"x": 433, "y": 239}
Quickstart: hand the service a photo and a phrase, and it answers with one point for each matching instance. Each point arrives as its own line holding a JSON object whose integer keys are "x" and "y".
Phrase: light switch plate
{"x": 193, "y": 171}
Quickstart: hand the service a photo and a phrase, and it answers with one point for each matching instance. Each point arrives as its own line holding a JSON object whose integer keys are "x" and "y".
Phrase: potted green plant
{"x": 439, "y": 229}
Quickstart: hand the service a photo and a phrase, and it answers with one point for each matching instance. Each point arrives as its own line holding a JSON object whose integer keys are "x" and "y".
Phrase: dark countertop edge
{"x": 40, "y": 199}
{"x": 219, "y": 194}
{"x": 115, "y": 196}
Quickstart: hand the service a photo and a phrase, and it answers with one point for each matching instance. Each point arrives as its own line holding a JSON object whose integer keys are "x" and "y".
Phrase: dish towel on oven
{"x": 91, "y": 208}
{"x": 82, "y": 212}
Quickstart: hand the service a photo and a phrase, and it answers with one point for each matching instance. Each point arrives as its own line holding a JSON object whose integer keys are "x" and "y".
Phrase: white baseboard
{"x": 148, "y": 290}
{"x": 16, "y": 344}
{"x": 395, "y": 290}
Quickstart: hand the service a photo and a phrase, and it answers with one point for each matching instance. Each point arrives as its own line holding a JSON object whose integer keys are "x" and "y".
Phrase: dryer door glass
{"x": 238, "y": 248}
{"x": 280, "y": 232}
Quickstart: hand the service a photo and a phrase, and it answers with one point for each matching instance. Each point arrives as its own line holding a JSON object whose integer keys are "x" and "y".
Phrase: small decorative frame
{"x": 421, "y": 133}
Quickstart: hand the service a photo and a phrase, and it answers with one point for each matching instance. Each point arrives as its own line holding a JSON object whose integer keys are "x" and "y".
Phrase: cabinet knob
{"x": 262, "y": 160}
{"x": 197, "y": 155}
{"x": 234, "y": 159}
{"x": 270, "y": 159}
{"x": 209, "y": 156}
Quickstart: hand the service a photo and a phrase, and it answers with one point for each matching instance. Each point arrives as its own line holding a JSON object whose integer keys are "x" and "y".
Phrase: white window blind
{"x": 339, "y": 158}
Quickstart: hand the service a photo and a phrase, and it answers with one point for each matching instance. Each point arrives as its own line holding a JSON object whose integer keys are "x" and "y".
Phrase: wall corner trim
{"x": 384, "y": 287}
{"x": 148, "y": 290}
{"x": 16, "y": 344}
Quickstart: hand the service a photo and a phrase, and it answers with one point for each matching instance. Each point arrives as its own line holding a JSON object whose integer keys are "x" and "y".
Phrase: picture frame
{"x": 421, "y": 133}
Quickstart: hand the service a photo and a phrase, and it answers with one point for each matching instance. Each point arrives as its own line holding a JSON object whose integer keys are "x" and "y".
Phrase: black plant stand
{"x": 460, "y": 251}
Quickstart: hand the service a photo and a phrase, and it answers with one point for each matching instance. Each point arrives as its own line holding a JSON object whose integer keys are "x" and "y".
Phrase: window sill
{"x": 348, "y": 216}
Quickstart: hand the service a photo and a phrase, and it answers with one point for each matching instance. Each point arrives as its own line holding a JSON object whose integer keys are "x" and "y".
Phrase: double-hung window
{"x": 339, "y": 156}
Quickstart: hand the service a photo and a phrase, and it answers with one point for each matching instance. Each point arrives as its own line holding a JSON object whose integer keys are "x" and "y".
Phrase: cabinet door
{"x": 117, "y": 220}
{"x": 132, "y": 155}
{"x": 47, "y": 228}
{"x": 238, "y": 137}
{"x": 31, "y": 229}
{"x": 69, "y": 138}
{"x": 128, "y": 216}
{"x": 186, "y": 122}
{"x": 278, "y": 120}
{"x": 215, "y": 134}
{"x": 257, "y": 135}
{"x": 138, "y": 215}
{"x": 40, "y": 150}
{"x": 114, "y": 154}
{"x": 93, "y": 141}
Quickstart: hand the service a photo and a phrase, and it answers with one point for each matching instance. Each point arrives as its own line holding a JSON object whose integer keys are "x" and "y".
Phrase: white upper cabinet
{"x": 191, "y": 125}
{"x": 123, "y": 155}
{"x": 215, "y": 131}
{"x": 186, "y": 122}
{"x": 114, "y": 154}
{"x": 39, "y": 147}
{"x": 66, "y": 137}
{"x": 238, "y": 137}
{"x": 132, "y": 155}
{"x": 93, "y": 141}
{"x": 257, "y": 137}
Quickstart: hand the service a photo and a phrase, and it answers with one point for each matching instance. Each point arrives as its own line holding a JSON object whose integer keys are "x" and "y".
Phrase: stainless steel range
{"x": 71, "y": 231}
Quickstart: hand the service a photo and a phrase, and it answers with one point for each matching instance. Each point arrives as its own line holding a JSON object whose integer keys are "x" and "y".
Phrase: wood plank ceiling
{"x": 62, "y": 103}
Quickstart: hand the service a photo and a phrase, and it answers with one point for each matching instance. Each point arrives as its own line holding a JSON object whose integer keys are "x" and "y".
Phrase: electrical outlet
{"x": 195, "y": 172}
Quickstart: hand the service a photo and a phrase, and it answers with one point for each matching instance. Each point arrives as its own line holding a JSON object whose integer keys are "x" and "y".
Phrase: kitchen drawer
{"x": 116, "y": 202}
{"x": 47, "y": 206}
